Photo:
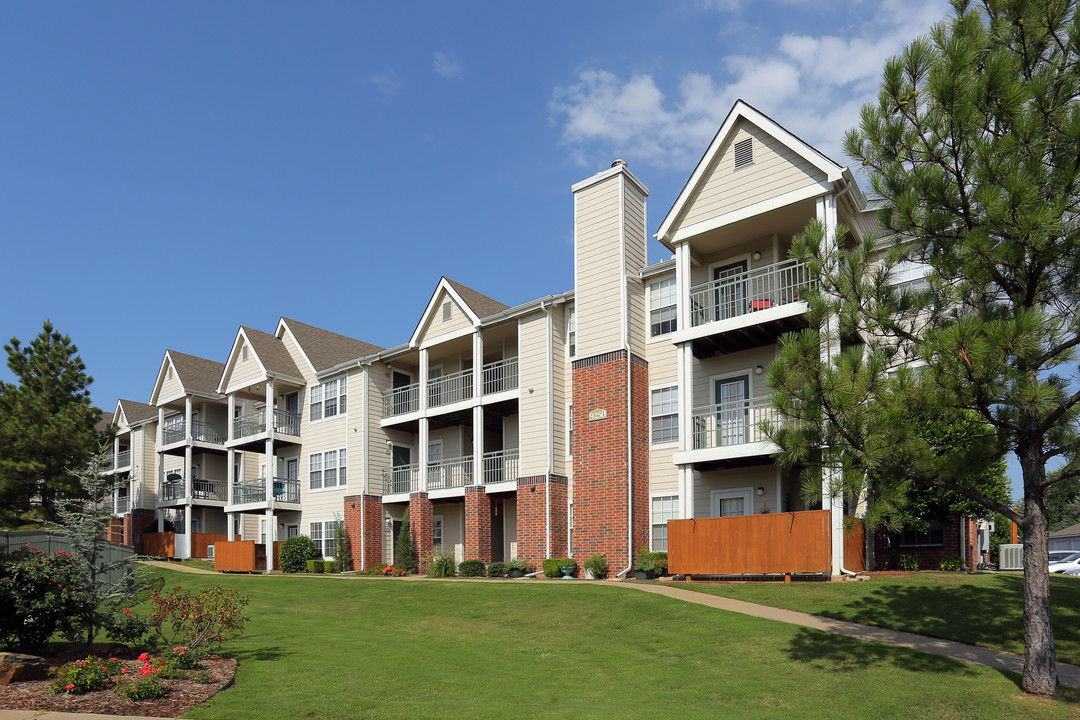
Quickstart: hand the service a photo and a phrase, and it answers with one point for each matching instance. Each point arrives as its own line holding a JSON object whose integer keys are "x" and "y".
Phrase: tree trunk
{"x": 1040, "y": 660}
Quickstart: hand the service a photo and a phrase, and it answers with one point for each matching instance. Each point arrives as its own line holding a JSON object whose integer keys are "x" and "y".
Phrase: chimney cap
{"x": 619, "y": 162}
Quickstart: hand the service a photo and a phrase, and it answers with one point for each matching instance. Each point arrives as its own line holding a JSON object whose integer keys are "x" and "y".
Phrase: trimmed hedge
{"x": 471, "y": 568}
{"x": 315, "y": 566}
{"x": 497, "y": 570}
{"x": 296, "y": 552}
{"x": 551, "y": 566}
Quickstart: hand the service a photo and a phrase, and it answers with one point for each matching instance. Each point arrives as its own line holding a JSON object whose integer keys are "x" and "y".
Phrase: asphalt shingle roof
{"x": 136, "y": 411}
{"x": 196, "y": 374}
{"x": 326, "y": 349}
{"x": 479, "y": 303}
{"x": 272, "y": 353}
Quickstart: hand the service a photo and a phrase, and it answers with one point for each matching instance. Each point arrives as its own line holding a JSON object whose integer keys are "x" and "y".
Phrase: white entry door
{"x": 732, "y": 409}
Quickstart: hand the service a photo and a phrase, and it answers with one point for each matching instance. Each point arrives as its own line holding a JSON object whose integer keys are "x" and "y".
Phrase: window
{"x": 910, "y": 275}
{"x": 744, "y": 153}
{"x": 328, "y": 399}
{"x": 262, "y": 531}
{"x": 665, "y": 415}
{"x": 662, "y": 300}
{"x": 437, "y": 532}
{"x": 934, "y": 535}
{"x": 571, "y": 330}
{"x": 322, "y": 533}
{"x": 570, "y": 440}
{"x": 663, "y": 509}
{"x": 327, "y": 469}
{"x": 447, "y": 309}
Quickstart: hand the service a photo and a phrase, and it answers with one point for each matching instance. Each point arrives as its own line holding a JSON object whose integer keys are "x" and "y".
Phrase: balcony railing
{"x": 501, "y": 465}
{"x": 108, "y": 462}
{"x": 123, "y": 504}
{"x": 401, "y": 479}
{"x": 746, "y": 292}
{"x": 732, "y": 423}
{"x": 201, "y": 489}
{"x": 208, "y": 432}
{"x": 285, "y": 422}
{"x": 401, "y": 400}
{"x": 501, "y": 375}
{"x": 172, "y": 490}
{"x": 451, "y": 388}
{"x": 172, "y": 432}
{"x": 254, "y": 491}
{"x": 449, "y": 473}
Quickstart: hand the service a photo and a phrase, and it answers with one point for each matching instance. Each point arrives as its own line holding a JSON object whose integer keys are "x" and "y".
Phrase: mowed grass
{"x": 384, "y": 648}
{"x": 985, "y": 610}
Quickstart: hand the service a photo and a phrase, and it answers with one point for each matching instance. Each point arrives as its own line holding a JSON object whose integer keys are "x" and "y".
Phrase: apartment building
{"x": 577, "y": 423}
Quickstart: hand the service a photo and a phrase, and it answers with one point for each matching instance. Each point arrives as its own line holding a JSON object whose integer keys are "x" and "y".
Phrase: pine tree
{"x": 974, "y": 144}
{"x": 404, "y": 548}
{"x": 47, "y": 425}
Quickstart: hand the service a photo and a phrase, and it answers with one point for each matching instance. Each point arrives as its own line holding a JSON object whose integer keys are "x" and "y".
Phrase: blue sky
{"x": 174, "y": 170}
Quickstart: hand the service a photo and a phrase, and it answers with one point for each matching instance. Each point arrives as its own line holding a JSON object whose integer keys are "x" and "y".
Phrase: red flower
{"x": 69, "y": 688}
{"x": 143, "y": 657}
{"x": 123, "y": 671}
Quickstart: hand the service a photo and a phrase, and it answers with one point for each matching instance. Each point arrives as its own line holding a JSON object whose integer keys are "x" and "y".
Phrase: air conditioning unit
{"x": 210, "y": 551}
{"x": 1012, "y": 557}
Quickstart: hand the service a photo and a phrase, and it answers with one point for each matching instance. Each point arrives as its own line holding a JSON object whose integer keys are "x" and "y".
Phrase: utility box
{"x": 1011, "y": 557}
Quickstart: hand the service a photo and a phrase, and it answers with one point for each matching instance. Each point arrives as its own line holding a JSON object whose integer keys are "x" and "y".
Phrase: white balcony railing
{"x": 758, "y": 289}
{"x": 208, "y": 432}
{"x": 285, "y": 422}
{"x": 501, "y": 375}
{"x": 123, "y": 459}
{"x": 123, "y": 504}
{"x": 449, "y": 473}
{"x": 451, "y": 388}
{"x": 501, "y": 465}
{"x": 401, "y": 400}
{"x": 401, "y": 479}
{"x": 732, "y": 423}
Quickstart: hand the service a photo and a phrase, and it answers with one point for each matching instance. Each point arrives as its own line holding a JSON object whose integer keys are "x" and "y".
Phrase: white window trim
{"x": 440, "y": 522}
{"x": 748, "y": 372}
{"x": 662, "y": 337}
{"x": 343, "y": 391}
{"x": 322, "y": 529}
{"x": 747, "y": 493}
{"x": 652, "y": 523}
{"x": 666, "y": 443}
{"x": 322, "y": 464}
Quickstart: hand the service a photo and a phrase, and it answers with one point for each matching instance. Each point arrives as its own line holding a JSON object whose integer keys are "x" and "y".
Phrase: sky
{"x": 171, "y": 171}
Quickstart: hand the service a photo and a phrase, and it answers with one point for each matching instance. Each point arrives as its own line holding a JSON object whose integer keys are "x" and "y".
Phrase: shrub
{"x": 82, "y": 676}
{"x": 181, "y": 657}
{"x": 551, "y": 566}
{"x": 127, "y": 627}
{"x": 472, "y": 568}
{"x": 497, "y": 569}
{"x": 331, "y": 566}
{"x": 404, "y": 550}
{"x": 909, "y": 562}
{"x": 296, "y": 552}
{"x": 952, "y": 563}
{"x": 375, "y": 569}
{"x": 519, "y": 565}
{"x": 342, "y": 546}
{"x": 441, "y": 565}
{"x": 597, "y": 565}
{"x": 41, "y": 594}
{"x": 197, "y": 620}
{"x": 655, "y": 562}
{"x": 140, "y": 688}
{"x": 315, "y": 566}
{"x": 393, "y": 571}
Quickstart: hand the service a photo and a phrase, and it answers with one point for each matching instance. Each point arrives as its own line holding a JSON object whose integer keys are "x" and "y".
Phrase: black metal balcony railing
{"x": 208, "y": 432}
{"x": 254, "y": 491}
{"x": 173, "y": 432}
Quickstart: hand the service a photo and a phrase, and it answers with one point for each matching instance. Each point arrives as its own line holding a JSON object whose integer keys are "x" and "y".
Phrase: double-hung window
{"x": 665, "y": 415}
{"x": 663, "y": 509}
{"x": 322, "y": 533}
{"x": 571, "y": 330}
{"x": 328, "y": 399}
{"x": 327, "y": 469}
{"x": 662, "y": 307}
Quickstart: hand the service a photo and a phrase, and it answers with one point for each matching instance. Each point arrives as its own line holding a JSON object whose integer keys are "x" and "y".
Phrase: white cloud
{"x": 387, "y": 82}
{"x": 812, "y": 84}
{"x": 447, "y": 65}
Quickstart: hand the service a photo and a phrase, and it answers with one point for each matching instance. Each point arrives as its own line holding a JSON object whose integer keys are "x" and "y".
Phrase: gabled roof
{"x": 273, "y": 356}
{"x": 476, "y": 305}
{"x": 322, "y": 348}
{"x": 744, "y": 111}
{"x": 135, "y": 412}
{"x": 196, "y": 374}
{"x": 105, "y": 421}
{"x": 1064, "y": 532}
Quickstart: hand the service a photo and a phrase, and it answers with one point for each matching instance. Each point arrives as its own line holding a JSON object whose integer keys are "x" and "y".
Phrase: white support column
{"x": 478, "y": 445}
{"x": 422, "y": 461}
{"x": 478, "y": 363}
{"x": 685, "y": 366}
{"x": 682, "y": 285}
{"x": 271, "y": 529}
{"x": 686, "y": 492}
{"x": 423, "y": 389}
{"x": 160, "y": 462}
{"x": 230, "y": 421}
{"x": 365, "y": 450}
{"x": 830, "y": 348}
{"x": 231, "y": 479}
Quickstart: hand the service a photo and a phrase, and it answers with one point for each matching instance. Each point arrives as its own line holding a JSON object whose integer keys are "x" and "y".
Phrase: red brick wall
{"x": 534, "y": 515}
{"x": 114, "y": 531}
{"x": 887, "y": 550}
{"x": 364, "y": 523}
{"x": 477, "y": 524}
{"x": 421, "y": 527}
{"x": 602, "y": 509}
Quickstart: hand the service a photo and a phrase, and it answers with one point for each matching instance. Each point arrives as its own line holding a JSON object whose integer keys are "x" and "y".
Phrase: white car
{"x": 1059, "y": 555}
{"x": 1069, "y": 562}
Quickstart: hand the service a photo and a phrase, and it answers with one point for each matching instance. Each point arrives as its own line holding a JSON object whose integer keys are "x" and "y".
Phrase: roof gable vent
{"x": 744, "y": 153}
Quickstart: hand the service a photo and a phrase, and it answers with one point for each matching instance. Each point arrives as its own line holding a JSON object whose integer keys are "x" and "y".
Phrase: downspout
{"x": 963, "y": 542}
{"x": 550, "y": 452}
{"x": 364, "y": 481}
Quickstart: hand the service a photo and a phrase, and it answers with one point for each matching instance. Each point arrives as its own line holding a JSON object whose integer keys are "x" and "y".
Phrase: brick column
{"x": 477, "y": 524}
{"x": 363, "y": 522}
{"x": 114, "y": 531}
{"x": 535, "y": 515}
{"x": 609, "y": 494}
{"x": 421, "y": 527}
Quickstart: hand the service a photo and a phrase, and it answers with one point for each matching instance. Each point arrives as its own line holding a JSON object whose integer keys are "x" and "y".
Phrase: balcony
{"x": 449, "y": 473}
{"x": 286, "y": 490}
{"x": 173, "y": 432}
{"x": 449, "y": 389}
{"x": 285, "y": 422}
{"x": 401, "y": 479}
{"x": 200, "y": 431}
{"x": 746, "y": 310}
{"x": 501, "y": 376}
{"x": 732, "y": 423}
{"x": 123, "y": 459}
{"x": 501, "y": 466}
{"x": 123, "y": 504}
{"x": 401, "y": 400}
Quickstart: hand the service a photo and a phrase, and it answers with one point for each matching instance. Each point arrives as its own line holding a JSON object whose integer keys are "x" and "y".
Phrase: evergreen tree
{"x": 1063, "y": 504}
{"x": 974, "y": 144}
{"x": 404, "y": 548}
{"x": 47, "y": 426}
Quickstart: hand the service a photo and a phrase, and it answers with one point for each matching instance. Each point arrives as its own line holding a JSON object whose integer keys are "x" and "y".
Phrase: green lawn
{"x": 985, "y": 610}
{"x": 384, "y": 648}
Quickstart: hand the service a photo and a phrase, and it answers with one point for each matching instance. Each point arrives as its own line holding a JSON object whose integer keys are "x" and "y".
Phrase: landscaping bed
{"x": 180, "y": 696}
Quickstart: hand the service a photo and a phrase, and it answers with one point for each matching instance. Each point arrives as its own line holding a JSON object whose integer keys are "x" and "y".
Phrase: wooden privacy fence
{"x": 776, "y": 543}
{"x": 162, "y": 544}
{"x": 201, "y": 541}
{"x": 243, "y": 556}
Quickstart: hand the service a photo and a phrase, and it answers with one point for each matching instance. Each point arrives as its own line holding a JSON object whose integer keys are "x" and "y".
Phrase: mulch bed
{"x": 181, "y": 696}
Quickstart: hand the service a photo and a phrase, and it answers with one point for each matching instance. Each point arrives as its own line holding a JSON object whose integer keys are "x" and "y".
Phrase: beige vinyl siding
{"x": 772, "y": 251}
{"x": 598, "y": 280}
{"x": 662, "y": 357}
{"x": 636, "y": 259}
{"x": 533, "y": 418}
{"x": 170, "y": 386}
{"x": 244, "y": 372}
{"x": 663, "y": 473}
{"x": 733, "y": 364}
{"x": 376, "y": 454}
{"x": 333, "y": 433}
{"x": 298, "y": 356}
{"x": 763, "y": 476}
{"x": 453, "y": 517}
{"x": 776, "y": 170}
{"x": 865, "y": 223}
{"x": 562, "y": 385}
{"x": 145, "y": 458}
{"x": 509, "y": 526}
{"x": 436, "y": 327}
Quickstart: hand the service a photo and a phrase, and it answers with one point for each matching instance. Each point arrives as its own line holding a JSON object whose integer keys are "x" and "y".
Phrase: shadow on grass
{"x": 265, "y": 653}
{"x": 836, "y": 653}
